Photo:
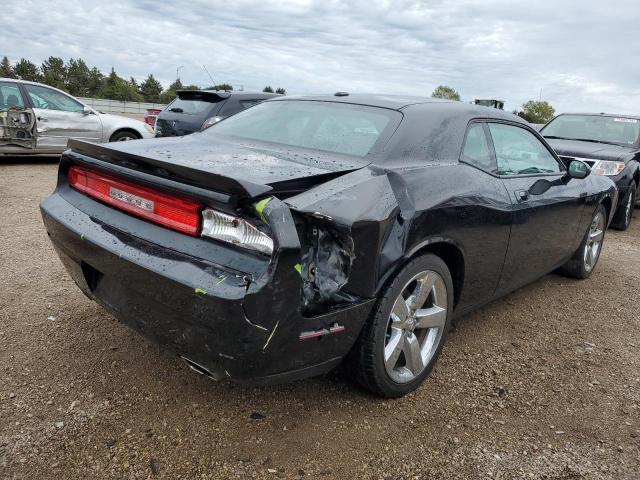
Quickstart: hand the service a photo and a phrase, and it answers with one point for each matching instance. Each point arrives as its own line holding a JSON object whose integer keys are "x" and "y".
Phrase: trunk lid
{"x": 241, "y": 170}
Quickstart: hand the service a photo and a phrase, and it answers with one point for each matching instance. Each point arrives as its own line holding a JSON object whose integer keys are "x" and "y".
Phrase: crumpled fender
{"x": 376, "y": 209}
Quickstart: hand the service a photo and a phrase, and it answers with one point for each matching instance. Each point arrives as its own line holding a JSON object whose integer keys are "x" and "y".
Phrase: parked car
{"x": 151, "y": 115}
{"x": 195, "y": 110}
{"x": 36, "y": 118}
{"x": 309, "y": 230}
{"x": 610, "y": 145}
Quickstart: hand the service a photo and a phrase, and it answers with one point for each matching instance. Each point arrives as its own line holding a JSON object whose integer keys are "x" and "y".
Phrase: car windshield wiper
{"x": 595, "y": 141}
{"x": 533, "y": 170}
{"x": 558, "y": 138}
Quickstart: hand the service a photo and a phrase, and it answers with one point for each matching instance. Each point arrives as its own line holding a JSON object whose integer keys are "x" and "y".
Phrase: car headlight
{"x": 609, "y": 168}
{"x": 237, "y": 231}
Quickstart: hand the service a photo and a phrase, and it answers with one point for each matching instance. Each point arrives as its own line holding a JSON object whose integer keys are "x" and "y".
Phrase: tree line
{"x": 75, "y": 77}
{"x": 533, "y": 111}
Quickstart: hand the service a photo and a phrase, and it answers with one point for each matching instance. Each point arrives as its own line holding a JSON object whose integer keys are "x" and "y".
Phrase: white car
{"x": 37, "y": 119}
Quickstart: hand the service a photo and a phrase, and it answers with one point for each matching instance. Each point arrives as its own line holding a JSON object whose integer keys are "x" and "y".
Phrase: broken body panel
{"x": 341, "y": 226}
{"x": 18, "y": 129}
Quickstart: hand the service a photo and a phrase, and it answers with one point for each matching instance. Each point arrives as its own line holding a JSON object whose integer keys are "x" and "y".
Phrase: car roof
{"x": 602, "y": 114}
{"x": 395, "y": 102}
{"x": 17, "y": 80}
{"x": 400, "y": 102}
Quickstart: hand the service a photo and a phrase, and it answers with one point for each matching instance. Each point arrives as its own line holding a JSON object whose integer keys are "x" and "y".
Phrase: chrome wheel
{"x": 126, "y": 138}
{"x": 594, "y": 242}
{"x": 415, "y": 327}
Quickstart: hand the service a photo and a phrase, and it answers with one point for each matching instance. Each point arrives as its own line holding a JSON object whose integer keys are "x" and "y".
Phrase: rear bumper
{"x": 235, "y": 324}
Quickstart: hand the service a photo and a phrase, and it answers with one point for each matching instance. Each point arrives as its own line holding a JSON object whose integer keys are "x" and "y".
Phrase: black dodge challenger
{"x": 309, "y": 231}
{"x": 610, "y": 145}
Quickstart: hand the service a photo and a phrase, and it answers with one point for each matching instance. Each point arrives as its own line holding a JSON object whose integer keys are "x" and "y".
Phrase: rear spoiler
{"x": 205, "y": 95}
{"x": 240, "y": 189}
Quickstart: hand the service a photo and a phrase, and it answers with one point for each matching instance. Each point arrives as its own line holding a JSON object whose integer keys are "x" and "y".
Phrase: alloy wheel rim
{"x": 125, "y": 139}
{"x": 594, "y": 242}
{"x": 415, "y": 327}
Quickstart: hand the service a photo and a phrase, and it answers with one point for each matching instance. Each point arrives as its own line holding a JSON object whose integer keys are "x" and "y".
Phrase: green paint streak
{"x": 260, "y": 208}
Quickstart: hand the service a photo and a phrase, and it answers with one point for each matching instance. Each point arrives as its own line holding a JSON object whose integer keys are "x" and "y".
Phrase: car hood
{"x": 597, "y": 151}
{"x": 221, "y": 164}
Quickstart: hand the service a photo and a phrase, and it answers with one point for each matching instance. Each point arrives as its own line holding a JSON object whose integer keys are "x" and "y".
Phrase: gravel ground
{"x": 544, "y": 384}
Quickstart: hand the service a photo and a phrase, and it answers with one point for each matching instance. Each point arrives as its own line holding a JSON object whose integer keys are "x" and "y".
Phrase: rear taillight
{"x": 172, "y": 212}
{"x": 209, "y": 122}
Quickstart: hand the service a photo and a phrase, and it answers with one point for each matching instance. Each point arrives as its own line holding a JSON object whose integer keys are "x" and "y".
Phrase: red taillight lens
{"x": 172, "y": 212}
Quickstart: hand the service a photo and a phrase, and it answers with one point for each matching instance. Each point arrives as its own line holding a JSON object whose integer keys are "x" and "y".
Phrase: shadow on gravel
{"x": 28, "y": 159}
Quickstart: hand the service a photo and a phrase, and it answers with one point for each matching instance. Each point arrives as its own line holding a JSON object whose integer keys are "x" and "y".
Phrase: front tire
{"x": 584, "y": 260}
{"x": 623, "y": 217}
{"x": 123, "y": 136}
{"x": 401, "y": 342}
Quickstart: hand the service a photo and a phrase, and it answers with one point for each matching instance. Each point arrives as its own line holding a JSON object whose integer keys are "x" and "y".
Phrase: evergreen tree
{"x": 54, "y": 72}
{"x": 26, "y": 70}
{"x": 6, "y": 70}
{"x": 78, "y": 78}
{"x": 94, "y": 82}
{"x": 151, "y": 89}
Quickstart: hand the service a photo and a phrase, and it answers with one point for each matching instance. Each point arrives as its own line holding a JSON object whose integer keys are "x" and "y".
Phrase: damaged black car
{"x": 309, "y": 232}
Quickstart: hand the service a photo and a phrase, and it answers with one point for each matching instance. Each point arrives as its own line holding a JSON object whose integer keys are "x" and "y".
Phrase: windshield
{"x": 596, "y": 128}
{"x": 327, "y": 126}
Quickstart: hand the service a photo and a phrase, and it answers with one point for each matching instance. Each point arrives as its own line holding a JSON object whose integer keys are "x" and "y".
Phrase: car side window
{"x": 46, "y": 98}
{"x": 10, "y": 96}
{"x": 519, "y": 152}
{"x": 476, "y": 149}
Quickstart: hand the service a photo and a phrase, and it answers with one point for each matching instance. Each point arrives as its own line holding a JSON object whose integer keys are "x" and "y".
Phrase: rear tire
{"x": 584, "y": 260}
{"x": 623, "y": 216}
{"x": 401, "y": 342}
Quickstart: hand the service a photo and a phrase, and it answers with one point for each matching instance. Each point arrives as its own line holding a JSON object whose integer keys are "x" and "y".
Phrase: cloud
{"x": 581, "y": 55}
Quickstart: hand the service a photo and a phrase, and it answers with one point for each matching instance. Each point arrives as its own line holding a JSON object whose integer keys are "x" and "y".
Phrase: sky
{"x": 581, "y": 55}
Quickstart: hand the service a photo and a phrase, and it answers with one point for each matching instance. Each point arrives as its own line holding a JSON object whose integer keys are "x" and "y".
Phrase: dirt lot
{"x": 543, "y": 384}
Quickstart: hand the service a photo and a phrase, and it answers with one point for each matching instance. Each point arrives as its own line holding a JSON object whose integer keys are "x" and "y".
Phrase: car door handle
{"x": 42, "y": 119}
{"x": 522, "y": 195}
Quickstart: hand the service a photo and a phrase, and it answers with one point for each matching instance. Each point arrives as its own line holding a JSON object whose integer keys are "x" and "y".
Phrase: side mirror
{"x": 87, "y": 110}
{"x": 577, "y": 169}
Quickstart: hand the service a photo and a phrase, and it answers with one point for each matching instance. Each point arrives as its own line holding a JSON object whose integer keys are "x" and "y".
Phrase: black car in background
{"x": 610, "y": 145}
{"x": 306, "y": 231}
{"x": 194, "y": 110}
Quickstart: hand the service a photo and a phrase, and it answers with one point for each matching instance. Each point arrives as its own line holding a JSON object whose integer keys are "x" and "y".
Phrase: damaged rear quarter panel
{"x": 394, "y": 213}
